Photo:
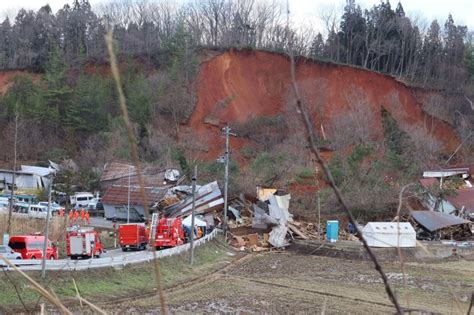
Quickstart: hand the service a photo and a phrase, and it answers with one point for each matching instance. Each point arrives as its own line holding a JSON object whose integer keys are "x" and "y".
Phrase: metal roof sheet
{"x": 463, "y": 198}
{"x": 433, "y": 220}
{"x": 118, "y": 195}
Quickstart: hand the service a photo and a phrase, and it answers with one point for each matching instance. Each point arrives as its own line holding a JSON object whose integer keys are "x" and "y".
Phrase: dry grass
{"x": 22, "y": 225}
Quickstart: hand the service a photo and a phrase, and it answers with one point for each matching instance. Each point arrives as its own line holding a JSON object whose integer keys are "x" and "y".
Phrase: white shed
{"x": 386, "y": 234}
{"x": 197, "y": 221}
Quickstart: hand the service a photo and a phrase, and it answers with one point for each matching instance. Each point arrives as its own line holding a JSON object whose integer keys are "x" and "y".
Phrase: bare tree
{"x": 355, "y": 126}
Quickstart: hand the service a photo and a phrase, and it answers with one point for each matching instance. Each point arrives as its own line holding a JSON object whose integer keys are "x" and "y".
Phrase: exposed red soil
{"x": 6, "y": 77}
{"x": 236, "y": 86}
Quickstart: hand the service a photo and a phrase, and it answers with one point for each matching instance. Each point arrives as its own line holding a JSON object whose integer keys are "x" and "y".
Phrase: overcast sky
{"x": 308, "y": 11}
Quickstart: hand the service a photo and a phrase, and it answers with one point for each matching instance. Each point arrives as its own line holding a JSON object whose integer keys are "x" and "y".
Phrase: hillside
{"x": 238, "y": 86}
{"x": 352, "y": 110}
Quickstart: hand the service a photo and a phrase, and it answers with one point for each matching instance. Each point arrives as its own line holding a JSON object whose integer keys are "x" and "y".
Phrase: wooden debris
{"x": 253, "y": 239}
{"x": 295, "y": 230}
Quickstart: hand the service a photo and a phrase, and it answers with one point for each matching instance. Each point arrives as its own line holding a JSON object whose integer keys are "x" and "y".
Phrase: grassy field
{"x": 287, "y": 282}
{"x": 294, "y": 283}
{"x": 102, "y": 285}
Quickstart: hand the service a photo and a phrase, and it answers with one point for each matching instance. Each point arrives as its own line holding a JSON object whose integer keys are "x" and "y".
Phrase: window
{"x": 36, "y": 245}
{"x": 17, "y": 245}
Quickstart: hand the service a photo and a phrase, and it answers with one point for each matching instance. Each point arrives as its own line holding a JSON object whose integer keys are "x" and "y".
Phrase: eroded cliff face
{"x": 237, "y": 86}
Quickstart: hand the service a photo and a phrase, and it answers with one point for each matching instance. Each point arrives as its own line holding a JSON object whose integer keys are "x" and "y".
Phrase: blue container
{"x": 332, "y": 230}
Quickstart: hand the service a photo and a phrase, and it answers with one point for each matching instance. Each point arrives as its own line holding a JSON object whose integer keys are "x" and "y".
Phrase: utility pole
{"x": 319, "y": 218}
{"x": 12, "y": 192}
{"x": 226, "y": 129}
{"x": 46, "y": 230}
{"x": 128, "y": 200}
{"x": 226, "y": 175}
{"x": 191, "y": 258}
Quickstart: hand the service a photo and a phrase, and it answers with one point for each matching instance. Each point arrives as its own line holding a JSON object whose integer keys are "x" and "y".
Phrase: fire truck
{"x": 169, "y": 233}
{"x": 83, "y": 242}
{"x": 133, "y": 236}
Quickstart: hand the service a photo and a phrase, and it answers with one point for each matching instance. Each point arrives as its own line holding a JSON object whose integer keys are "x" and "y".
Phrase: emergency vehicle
{"x": 31, "y": 247}
{"x": 133, "y": 236}
{"x": 83, "y": 242}
{"x": 169, "y": 233}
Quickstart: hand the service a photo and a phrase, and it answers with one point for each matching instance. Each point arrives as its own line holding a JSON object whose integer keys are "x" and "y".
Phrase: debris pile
{"x": 177, "y": 201}
{"x": 432, "y": 225}
{"x": 265, "y": 221}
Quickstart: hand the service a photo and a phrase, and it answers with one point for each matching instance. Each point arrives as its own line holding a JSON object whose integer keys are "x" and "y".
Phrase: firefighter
{"x": 83, "y": 214}
{"x": 76, "y": 216}
{"x": 87, "y": 218}
{"x": 71, "y": 215}
{"x": 61, "y": 212}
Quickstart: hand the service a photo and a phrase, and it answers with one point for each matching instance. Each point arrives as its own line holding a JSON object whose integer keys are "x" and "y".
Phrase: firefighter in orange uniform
{"x": 76, "y": 216}
{"x": 83, "y": 215}
{"x": 61, "y": 212}
{"x": 71, "y": 216}
{"x": 87, "y": 218}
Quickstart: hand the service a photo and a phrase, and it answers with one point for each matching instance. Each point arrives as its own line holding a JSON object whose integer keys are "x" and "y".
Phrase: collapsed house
{"x": 29, "y": 179}
{"x": 126, "y": 191}
{"x": 178, "y": 201}
{"x": 449, "y": 191}
{"x": 123, "y": 198}
{"x": 432, "y": 225}
{"x": 264, "y": 222}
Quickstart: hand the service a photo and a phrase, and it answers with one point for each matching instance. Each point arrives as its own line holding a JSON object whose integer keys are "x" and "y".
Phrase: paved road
{"x": 113, "y": 258}
{"x": 101, "y": 222}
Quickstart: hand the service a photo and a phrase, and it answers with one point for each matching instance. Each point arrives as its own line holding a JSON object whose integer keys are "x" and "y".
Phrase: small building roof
{"x": 38, "y": 170}
{"x": 118, "y": 195}
{"x": 463, "y": 198}
{"x": 388, "y": 228}
{"x": 433, "y": 220}
{"x": 197, "y": 221}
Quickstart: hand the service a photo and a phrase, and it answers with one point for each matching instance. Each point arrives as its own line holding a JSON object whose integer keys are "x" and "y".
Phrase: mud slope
{"x": 6, "y": 77}
{"x": 237, "y": 86}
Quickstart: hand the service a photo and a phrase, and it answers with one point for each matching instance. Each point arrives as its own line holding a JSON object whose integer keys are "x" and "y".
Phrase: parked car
{"x": 81, "y": 199}
{"x": 31, "y": 247}
{"x": 54, "y": 206}
{"x": 4, "y": 206}
{"x": 8, "y": 253}
{"x": 38, "y": 212}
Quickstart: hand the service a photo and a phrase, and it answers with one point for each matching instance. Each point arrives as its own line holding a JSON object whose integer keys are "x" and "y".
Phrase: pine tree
{"x": 57, "y": 90}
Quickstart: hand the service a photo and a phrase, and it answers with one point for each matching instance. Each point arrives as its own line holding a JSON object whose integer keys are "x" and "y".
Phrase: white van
{"x": 81, "y": 199}
{"x": 38, "y": 211}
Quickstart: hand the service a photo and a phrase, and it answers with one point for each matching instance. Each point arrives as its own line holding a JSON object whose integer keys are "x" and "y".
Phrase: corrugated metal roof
{"x": 208, "y": 198}
{"x": 118, "y": 195}
{"x": 433, "y": 220}
{"x": 463, "y": 198}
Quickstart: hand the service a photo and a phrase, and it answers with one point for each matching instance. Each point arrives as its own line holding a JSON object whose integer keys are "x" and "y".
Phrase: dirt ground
{"x": 295, "y": 283}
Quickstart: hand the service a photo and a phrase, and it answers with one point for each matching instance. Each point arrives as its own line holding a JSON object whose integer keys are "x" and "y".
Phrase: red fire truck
{"x": 133, "y": 236}
{"x": 169, "y": 233}
{"x": 83, "y": 243}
